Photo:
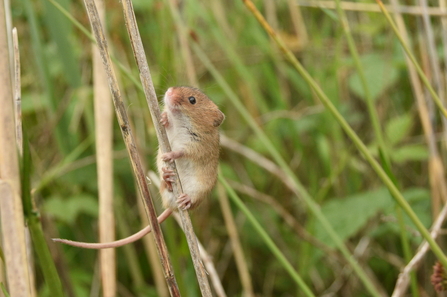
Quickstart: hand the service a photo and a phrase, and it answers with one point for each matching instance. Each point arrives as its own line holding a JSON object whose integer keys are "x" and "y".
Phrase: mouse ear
{"x": 220, "y": 117}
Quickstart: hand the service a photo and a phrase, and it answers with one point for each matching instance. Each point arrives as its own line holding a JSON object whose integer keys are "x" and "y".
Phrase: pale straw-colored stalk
{"x": 131, "y": 147}
{"x": 371, "y": 7}
{"x": 233, "y": 234}
{"x": 151, "y": 98}
{"x": 11, "y": 209}
{"x": 104, "y": 136}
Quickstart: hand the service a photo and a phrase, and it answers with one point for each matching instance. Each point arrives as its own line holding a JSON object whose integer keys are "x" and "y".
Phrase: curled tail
{"x": 114, "y": 244}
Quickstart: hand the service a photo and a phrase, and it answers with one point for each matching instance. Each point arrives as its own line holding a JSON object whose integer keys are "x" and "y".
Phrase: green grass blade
{"x": 60, "y": 30}
{"x": 34, "y": 224}
{"x": 410, "y": 55}
{"x": 357, "y": 141}
{"x": 300, "y": 189}
{"x": 266, "y": 238}
{"x": 383, "y": 153}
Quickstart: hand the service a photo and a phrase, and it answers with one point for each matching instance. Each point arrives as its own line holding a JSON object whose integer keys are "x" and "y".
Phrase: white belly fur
{"x": 186, "y": 167}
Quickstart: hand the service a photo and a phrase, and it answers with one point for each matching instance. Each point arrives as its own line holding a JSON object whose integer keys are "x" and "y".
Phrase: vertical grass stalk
{"x": 131, "y": 146}
{"x": 11, "y": 208}
{"x": 299, "y": 189}
{"x": 103, "y": 111}
{"x": 239, "y": 257}
{"x": 413, "y": 59}
{"x": 266, "y": 238}
{"x": 151, "y": 98}
{"x": 383, "y": 152}
{"x": 352, "y": 135}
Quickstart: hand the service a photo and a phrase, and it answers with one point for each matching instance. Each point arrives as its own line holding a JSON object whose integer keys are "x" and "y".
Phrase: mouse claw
{"x": 167, "y": 157}
{"x": 184, "y": 201}
{"x": 167, "y": 176}
{"x": 164, "y": 119}
{"x": 171, "y": 156}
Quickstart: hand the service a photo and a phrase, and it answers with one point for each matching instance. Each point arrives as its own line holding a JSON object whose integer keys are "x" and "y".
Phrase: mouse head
{"x": 193, "y": 103}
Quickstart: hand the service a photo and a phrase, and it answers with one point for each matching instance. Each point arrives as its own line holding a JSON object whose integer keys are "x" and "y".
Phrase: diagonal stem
{"x": 131, "y": 147}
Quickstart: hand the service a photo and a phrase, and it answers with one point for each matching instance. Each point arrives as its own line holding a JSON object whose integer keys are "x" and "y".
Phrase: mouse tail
{"x": 114, "y": 244}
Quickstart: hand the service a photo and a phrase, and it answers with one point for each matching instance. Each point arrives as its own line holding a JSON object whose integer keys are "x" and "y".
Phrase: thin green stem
{"x": 369, "y": 100}
{"x": 87, "y": 33}
{"x": 383, "y": 152}
{"x": 4, "y": 290}
{"x": 45, "y": 259}
{"x": 406, "y": 249}
{"x": 34, "y": 224}
{"x": 300, "y": 189}
{"x": 272, "y": 246}
{"x": 419, "y": 70}
{"x": 353, "y": 136}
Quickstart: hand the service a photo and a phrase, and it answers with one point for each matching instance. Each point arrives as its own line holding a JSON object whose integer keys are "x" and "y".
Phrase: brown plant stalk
{"x": 151, "y": 98}
{"x": 11, "y": 209}
{"x": 103, "y": 111}
{"x": 233, "y": 234}
{"x": 206, "y": 258}
{"x": 131, "y": 147}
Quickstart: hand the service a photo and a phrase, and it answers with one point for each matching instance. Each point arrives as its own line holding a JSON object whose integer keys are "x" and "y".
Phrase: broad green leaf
{"x": 397, "y": 128}
{"x": 350, "y": 214}
{"x": 68, "y": 209}
{"x": 410, "y": 153}
{"x": 380, "y": 74}
{"x": 61, "y": 33}
{"x": 419, "y": 200}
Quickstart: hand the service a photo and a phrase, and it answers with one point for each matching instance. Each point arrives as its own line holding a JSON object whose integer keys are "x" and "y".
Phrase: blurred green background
{"x": 58, "y": 117}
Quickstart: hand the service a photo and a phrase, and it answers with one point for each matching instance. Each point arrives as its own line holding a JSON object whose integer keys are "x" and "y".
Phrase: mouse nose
{"x": 170, "y": 91}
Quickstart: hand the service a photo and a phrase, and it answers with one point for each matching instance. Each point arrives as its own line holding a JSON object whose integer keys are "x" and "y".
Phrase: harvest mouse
{"x": 191, "y": 120}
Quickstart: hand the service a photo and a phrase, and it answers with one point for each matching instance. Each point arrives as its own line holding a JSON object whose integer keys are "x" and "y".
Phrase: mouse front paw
{"x": 164, "y": 119}
{"x": 184, "y": 201}
{"x": 171, "y": 156}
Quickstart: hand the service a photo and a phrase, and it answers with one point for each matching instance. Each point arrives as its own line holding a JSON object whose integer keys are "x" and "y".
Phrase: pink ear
{"x": 220, "y": 117}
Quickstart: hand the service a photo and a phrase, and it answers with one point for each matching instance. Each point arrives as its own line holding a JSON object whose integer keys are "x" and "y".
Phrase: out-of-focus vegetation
{"x": 58, "y": 118}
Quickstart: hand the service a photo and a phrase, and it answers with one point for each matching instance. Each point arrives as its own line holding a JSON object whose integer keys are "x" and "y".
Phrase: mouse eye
{"x": 192, "y": 100}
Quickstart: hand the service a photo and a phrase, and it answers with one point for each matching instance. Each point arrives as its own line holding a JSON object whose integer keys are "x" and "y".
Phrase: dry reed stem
{"x": 435, "y": 166}
{"x": 19, "y": 140}
{"x": 11, "y": 209}
{"x": 151, "y": 98}
{"x": 298, "y": 23}
{"x": 370, "y": 7}
{"x": 151, "y": 252}
{"x": 104, "y": 136}
{"x": 257, "y": 159}
{"x": 280, "y": 64}
{"x": 208, "y": 263}
{"x": 206, "y": 258}
{"x": 9, "y": 29}
{"x": 443, "y": 7}
{"x": 12, "y": 245}
{"x": 17, "y": 92}
{"x": 239, "y": 257}
{"x": 221, "y": 15}
{"x": 182, "y": 35}
{"x": 210, "y": 268}
{"x": 131, "y": 147}
{"x": 438, "y": 83}
{"x": 404, "y": 277}
{"x": 288, "y": 218}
